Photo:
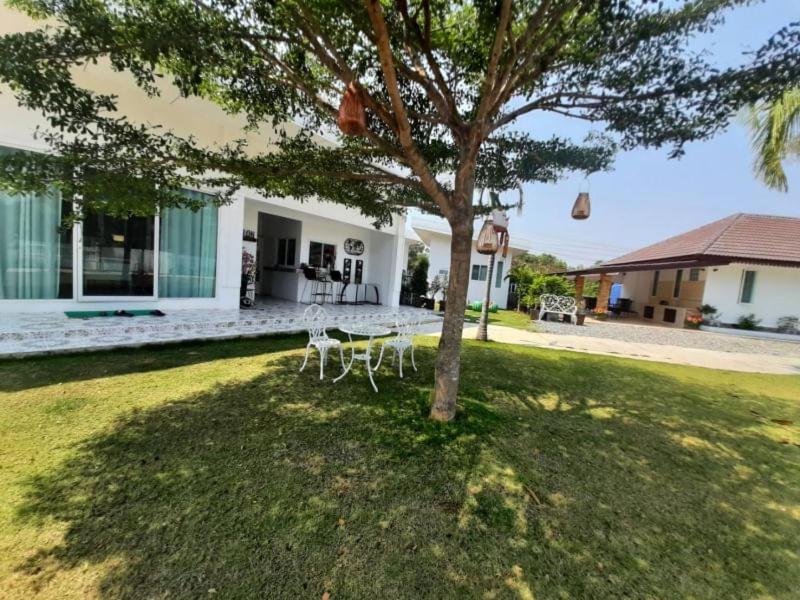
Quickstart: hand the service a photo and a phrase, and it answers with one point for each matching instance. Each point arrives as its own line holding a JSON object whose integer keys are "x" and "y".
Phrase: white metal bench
{"x": 560, "y": 305}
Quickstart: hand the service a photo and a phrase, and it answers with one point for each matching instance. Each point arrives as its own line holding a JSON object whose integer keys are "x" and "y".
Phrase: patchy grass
{"x": 507, "y": 318}
{"x": 218, "y": 469}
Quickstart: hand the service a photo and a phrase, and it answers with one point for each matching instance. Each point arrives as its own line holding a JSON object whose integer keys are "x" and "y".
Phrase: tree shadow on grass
{"x": 18, "y": 374}
{"x": 564, "y": 476}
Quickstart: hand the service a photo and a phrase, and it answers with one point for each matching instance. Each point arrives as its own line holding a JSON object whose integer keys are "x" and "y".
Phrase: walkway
{"x": 755, "y": 360}
{"x": 28, "y": 334}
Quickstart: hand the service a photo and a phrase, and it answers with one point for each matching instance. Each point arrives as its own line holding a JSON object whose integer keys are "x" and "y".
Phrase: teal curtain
{"x": 30, "y": 246}
{"x": 188, "y": 251}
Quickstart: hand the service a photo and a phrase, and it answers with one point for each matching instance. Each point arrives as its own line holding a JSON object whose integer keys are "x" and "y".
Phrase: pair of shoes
{"x": 122, "y": 313}
{"x": 158, "y": 313}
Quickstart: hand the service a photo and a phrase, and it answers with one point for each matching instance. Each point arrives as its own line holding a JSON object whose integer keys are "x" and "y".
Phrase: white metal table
{"x": 368, "y": 331}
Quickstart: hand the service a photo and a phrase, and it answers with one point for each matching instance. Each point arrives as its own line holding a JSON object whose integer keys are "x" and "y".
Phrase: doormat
{"x": 89, "y": 314}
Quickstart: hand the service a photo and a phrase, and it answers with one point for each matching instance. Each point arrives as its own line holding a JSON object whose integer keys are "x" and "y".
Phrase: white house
{"x": 743, "y": 264}
{"x": 178, "y": 259}
{"x": 435, "y": 234}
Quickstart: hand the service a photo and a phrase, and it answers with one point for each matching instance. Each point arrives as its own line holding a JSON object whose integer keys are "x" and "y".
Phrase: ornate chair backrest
{"x": 407, "y": 326}
{"x": 314, "y": 319}
{"x": 555, "y": 303}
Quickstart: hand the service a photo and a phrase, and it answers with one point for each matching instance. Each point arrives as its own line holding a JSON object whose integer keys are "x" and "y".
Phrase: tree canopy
{"x": 444, "y": 84}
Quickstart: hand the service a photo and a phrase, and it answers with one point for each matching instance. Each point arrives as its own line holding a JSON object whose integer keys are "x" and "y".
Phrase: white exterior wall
{"x": 775, "y": 293}
{"x": 210, "y": 125}
{"x": 440, "y": 260}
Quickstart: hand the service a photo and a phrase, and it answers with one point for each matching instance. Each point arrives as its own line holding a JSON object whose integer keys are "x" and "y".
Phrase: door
{"x": 117, "y": 257}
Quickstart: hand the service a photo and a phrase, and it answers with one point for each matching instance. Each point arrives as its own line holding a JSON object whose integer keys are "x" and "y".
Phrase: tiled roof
{"x": 744, "y": 236}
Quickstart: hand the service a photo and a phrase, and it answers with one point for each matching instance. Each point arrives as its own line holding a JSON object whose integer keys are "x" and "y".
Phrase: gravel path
{"x": 648, "y": 334}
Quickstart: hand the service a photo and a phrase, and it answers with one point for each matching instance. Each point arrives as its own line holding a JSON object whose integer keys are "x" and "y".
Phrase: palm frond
{"x": 775, "y": 128}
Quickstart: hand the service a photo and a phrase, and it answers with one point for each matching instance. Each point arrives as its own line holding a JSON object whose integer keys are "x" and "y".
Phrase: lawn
{"x": 219, "y": 470}
{"x": 507, "y": 318}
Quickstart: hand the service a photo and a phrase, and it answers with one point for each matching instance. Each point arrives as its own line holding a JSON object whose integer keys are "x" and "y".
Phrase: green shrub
{"x": 748, "y": 322}
{"x": 419, "y": 276}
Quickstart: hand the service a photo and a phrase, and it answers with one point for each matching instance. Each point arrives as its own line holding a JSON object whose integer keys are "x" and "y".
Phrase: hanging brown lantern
{"x": 352, "y": 119}
{"x": 582, "y": 207}
{"x": 487, "y": 239}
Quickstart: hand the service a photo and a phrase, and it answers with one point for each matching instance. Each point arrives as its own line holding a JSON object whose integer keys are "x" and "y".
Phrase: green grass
{"x": 219, "y": 470}
{"x": 507, "y": 318}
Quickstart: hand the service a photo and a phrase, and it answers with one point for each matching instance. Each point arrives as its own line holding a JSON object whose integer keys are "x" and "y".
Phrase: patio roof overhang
{"x": 677, "y": 262}
{"x": 687, "y": 262}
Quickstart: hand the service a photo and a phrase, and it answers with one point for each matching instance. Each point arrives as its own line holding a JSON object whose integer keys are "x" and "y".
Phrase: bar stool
{"x": 338, "y": 282}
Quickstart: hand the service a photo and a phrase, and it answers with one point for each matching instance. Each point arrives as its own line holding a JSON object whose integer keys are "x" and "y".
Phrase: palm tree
{"x": 775, "y": 131}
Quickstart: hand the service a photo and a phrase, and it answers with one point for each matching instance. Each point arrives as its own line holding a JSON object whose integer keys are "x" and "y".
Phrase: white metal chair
{"x": 407, "y": 327}
{"x": 314, "y": 319}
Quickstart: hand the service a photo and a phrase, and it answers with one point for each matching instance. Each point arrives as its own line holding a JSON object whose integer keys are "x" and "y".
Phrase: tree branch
{"x": 415, "y": 159}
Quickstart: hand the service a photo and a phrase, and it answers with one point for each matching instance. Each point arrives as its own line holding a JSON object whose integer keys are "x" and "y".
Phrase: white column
{"x": 398, "y": 263}
{"x": 229, "y": 252}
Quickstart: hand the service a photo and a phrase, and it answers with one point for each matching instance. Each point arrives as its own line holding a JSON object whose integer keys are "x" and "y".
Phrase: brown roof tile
{"x": 745, "y": 236}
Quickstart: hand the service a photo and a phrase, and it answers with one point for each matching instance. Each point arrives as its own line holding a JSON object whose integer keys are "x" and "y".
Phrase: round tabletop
{"x": 365, "y": 330}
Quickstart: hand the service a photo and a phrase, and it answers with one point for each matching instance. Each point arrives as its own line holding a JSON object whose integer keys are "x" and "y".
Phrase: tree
{"x": 419, "y": 277}
{"x": 443, "y": 83}
{"x": 546, "y": 284}
{"x": 540, "y": 263}
{"x": 775, "y": 131}
{"x": 415, "y": 251}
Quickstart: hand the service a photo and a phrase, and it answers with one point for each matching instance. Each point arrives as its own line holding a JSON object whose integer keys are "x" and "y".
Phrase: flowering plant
{"x": 600, "y": 313}
{"x": 694, "y": 321}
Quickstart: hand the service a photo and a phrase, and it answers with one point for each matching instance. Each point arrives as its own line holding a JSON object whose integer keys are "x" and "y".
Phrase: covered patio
{"x": 25, "y": 334}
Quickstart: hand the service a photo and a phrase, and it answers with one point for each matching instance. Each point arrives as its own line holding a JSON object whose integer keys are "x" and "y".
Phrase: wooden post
{"x": 604, "y": 291}
{"x": 579, "y": 280}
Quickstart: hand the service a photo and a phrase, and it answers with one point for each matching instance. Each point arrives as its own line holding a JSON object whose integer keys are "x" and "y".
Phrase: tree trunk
{"x": 483, "y": 324}
{"x": 448, "y": 360}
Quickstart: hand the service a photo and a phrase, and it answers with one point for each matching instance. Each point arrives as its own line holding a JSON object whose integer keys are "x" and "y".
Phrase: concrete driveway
{"x": 679, "y": 355}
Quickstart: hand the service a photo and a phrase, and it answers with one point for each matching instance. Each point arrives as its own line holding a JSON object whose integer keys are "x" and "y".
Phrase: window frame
{"x": 743, "y": 286}
{"x": 483, "y": 272}
{"x": 676, "y": 288}
{"x": 323, "y": 246}
{"x": 498, "y": 277}
{"x": 283, "y": 256}
{"x": 654, "y": 287}
{"x": 694, "y": 274}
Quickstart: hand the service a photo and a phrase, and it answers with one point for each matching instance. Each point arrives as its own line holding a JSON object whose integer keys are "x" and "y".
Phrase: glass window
{"x": 654, "y": 291}
{"x": 498, "y": 280}
{"x": 187, "y": 256}
{"x": 748, "y": 286}
{"x": 118, "y": 255}
{"x": 479, "y": 272}
{"x": 35, "y": 249}
{"x": 694, "y": 274}
{"x": 676, "y": 291}
{"x": 322, "y": 255}
{"x": 286, "y": 251}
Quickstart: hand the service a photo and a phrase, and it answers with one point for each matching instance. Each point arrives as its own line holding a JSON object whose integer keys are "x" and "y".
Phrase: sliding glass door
{"x": 118, "y": 256}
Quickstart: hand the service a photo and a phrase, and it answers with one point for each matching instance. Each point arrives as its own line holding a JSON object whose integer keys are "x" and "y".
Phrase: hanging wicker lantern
{"x": 487, "y": 239}
{"x": 500, "y": 223}
{"x": 352, "y": 119}
{"x": 582, "y": 207}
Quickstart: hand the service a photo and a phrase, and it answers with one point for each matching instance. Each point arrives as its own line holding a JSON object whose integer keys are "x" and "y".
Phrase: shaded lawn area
{"x": 218, "y": 469}
{"x": 507, "y": 318}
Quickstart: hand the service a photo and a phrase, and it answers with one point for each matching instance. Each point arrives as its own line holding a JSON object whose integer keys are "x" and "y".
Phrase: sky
{"x": 648, "y": 197}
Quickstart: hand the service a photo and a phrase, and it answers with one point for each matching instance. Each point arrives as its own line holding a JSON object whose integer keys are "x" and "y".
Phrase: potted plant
{"x": 694, "y": 321}
{"x": 443, "y": 302}
{"x": 601, "y": 314}
{"x": 434, "y": 288}
{"x": 580, "y": 316}
{"x": 419, "y": 280}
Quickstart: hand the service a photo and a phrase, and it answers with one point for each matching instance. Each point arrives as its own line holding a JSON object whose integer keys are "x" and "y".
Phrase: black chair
{"x": 321, "y": 286}
{"x": 338, "y": 282}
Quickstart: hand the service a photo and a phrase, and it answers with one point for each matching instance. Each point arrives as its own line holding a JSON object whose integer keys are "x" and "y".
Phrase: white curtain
{"x": 30, "y": 249}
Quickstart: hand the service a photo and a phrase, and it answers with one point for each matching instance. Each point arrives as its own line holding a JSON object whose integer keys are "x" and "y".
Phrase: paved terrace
{"x": 25, "y": 334}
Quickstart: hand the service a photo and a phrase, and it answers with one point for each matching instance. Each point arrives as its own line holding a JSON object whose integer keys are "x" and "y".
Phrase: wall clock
{"x": 354, "y": 246}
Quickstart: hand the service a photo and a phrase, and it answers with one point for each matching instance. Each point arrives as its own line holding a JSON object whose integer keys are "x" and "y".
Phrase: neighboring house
{"x": 435, "y": 234}
{"x": 741, "y": 264}
{"x": 179, "y": 259}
